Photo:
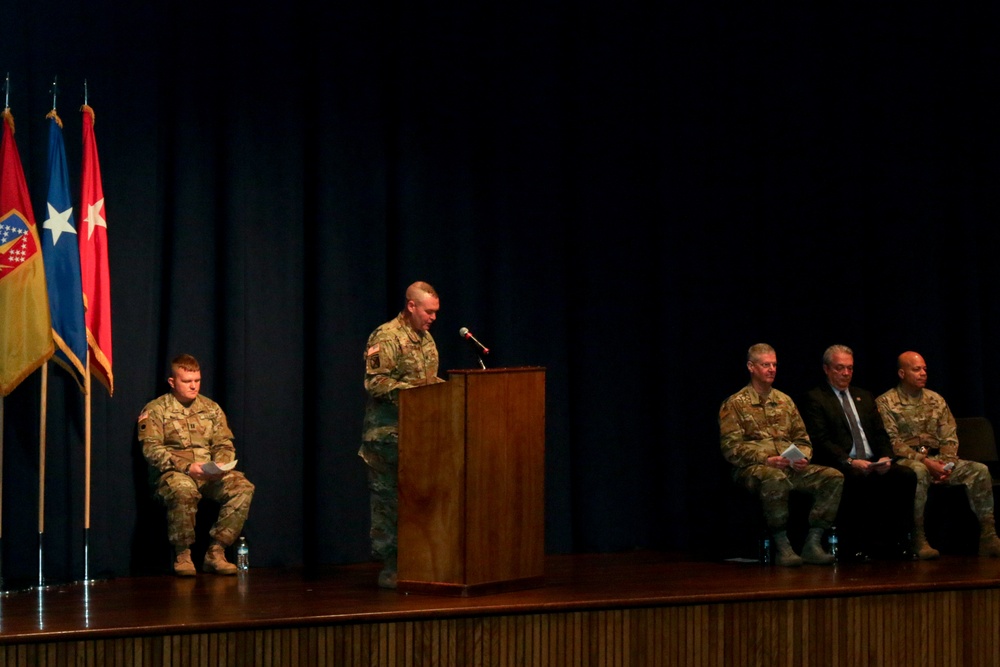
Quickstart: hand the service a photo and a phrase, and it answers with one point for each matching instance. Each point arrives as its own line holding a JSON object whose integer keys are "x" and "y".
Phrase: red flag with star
{"x": 25, "y": 327}
{"x": 95, "y": 278}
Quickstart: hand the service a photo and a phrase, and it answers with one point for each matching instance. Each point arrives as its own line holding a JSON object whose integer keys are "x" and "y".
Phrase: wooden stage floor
{"x": 637, "y": 608}
{"x": 275, "y": 598}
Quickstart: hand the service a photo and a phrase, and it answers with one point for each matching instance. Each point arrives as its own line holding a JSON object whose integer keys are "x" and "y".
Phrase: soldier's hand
{"x": 196, "y": 472}
{"x": 800, "y": 464}
{"x": 779, "y": 462}
{"x": 936, "y": 469}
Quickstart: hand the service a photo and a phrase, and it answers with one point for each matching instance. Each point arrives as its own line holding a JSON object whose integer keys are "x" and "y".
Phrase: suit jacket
{"x": 831, "y": 433}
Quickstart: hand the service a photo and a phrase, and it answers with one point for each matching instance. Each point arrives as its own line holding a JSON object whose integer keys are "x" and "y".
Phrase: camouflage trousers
{"x": 180, "y": 493}
{"x": 974, "y": 476}
{"x": 772, "y": 486}
{"x": 382, "y": 458}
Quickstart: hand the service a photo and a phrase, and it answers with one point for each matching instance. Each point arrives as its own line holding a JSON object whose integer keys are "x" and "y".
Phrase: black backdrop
{"x": 629, "y": 196}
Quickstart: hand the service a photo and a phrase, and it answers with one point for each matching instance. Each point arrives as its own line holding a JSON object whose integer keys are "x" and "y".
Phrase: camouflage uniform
{"x": 174, "y": 437}
{"x": 927, "y": 416}
{"x": 754, "y": 429}
{"x": 397, "y": 357}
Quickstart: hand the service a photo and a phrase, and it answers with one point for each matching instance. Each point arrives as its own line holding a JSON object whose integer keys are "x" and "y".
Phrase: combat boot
{"x": 784, "y": 554}
{"x": 387, "y": 577}
{"x": 921, "y": 547}
{"x": 812, "y": 550}
{"x": 989, "y": 544}
{"x": 183, "y": 566}
{"x": 215, "y": 561}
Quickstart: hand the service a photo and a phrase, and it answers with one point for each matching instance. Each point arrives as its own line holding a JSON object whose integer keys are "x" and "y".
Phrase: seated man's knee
{"x": 834, "y": 473}
{"x": 176, "y": 488}
{"x": 979, "y": 469}
{"x": 920, "y": 470}
{"x": 239, "y": 485}
{"x": 773, "y": 488}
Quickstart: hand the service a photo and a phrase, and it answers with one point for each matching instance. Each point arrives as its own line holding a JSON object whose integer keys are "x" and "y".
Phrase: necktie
{"x": 860, "y": 450}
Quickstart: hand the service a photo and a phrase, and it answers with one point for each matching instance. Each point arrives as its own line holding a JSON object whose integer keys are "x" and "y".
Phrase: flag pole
{"x": 41, "y": 470}
{"x": 6, "y": 105}
{"x": 96, "y": 294}
{"x": 1, "y": 493}
{"x": 42, "y": 423}
{"x": 86, "y": 475}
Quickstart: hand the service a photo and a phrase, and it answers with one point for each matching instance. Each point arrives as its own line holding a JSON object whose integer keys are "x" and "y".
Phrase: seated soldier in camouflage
{"x": 180, "y": 432}
{"x": 757, "y": 424}
{"x": 922, "y": 433}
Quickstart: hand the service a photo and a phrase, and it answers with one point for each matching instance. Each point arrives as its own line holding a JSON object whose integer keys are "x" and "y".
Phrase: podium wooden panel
{"x": 471, "y": 483}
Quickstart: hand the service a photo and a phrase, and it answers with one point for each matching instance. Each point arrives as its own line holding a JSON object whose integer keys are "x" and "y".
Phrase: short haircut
{"x": 757, "y": 350}
{"x": 835, "y": 349}
{"x": 413, "y": 292}
{"x": 185, "y": 362}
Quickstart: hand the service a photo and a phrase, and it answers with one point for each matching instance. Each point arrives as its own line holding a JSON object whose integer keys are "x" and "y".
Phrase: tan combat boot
{"x": 989, "y": 544}
{"x": 387, "y": 577}
{"x": 215, "y": 561}
{"x": 812, "y": 550}
{"x": 183, "y": 566}
{"x": 921, "y": 547}
{"x": 783, "y": 552}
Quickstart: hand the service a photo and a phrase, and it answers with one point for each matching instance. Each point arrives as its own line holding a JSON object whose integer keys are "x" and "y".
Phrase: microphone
{"x": 467, "y": 335}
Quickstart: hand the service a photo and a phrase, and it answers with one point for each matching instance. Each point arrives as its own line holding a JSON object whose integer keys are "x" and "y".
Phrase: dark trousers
{"x": 876, "y": 510}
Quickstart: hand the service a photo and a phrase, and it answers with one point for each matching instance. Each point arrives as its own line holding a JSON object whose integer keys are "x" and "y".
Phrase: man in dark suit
{"x": 876, "y": 511}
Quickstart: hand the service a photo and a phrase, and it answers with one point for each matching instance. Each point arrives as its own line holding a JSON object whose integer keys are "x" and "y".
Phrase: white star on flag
{"x": 94, "y": 218}
{"x": 58, "y": 223}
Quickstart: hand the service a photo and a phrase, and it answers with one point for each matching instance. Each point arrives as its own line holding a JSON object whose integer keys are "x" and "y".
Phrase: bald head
{"x": 912, "y": 371}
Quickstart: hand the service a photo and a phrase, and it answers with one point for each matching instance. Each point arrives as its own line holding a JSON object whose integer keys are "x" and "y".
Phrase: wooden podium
{"x": 472, "y": 483}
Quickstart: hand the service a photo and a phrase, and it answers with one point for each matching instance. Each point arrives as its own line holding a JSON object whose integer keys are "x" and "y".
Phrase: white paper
{"x": 793, "y": 453}
{"x": 213, "y": 468}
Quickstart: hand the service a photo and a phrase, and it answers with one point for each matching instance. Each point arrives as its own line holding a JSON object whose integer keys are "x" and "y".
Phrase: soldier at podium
{"x": 400, "y": 354}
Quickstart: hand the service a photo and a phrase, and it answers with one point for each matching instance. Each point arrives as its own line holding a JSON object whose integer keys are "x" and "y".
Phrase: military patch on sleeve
{"x": 373, "y": 356}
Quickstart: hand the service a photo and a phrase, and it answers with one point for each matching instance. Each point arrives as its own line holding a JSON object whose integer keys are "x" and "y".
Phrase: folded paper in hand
{"x": 793, "y": 453}
{"x": 213, "y": 468}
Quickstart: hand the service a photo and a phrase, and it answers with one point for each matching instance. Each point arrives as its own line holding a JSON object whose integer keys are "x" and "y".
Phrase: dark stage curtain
{"x": 627, "y": 194}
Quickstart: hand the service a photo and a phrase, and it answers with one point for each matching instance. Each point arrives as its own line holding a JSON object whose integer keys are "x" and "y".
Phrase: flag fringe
{"x": 54, "y": 116}
{"x": 31, "y": 368}
{"x": 71, "y": 363}
{"x": 102, "y": 371}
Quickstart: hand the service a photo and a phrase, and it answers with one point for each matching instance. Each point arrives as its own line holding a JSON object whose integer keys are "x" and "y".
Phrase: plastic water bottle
{"x": 765, "y": 551}
{"x": 243, "y": 555}
{"x": 834, "y": 542}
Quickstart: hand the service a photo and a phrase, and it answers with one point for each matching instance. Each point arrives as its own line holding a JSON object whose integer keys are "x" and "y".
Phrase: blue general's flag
{"x": 62, "y": 261}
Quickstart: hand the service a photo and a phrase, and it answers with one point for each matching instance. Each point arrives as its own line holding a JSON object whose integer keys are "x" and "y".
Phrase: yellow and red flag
{"x": 25, "y": 325}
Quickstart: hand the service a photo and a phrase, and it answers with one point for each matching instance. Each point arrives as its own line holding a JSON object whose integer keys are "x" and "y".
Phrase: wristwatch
{"x": 850, "y": 461}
